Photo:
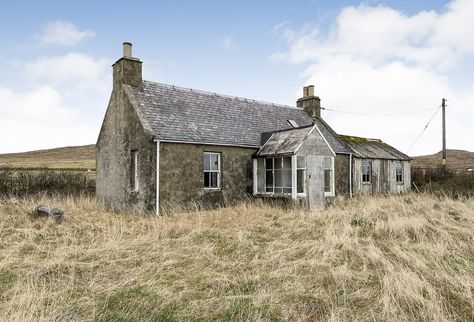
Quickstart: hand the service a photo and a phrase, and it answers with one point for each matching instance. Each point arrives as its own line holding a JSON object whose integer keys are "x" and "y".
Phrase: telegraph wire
{"x": 377, "y": 115}
{"x": 424, "y": 129}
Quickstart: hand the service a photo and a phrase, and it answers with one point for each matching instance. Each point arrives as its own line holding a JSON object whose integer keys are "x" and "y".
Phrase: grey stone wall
{"x": 182, "y": 174}
{"x": 120, "y": 134}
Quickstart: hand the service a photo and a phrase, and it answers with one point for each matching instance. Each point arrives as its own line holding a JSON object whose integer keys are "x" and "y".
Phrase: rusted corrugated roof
{"x": 372, "y": 148}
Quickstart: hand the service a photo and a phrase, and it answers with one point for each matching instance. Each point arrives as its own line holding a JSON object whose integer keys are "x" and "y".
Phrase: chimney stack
{"x": 127, "y": 70}
{"x": 310, "y": 103}
{"x": 127, "y": 49}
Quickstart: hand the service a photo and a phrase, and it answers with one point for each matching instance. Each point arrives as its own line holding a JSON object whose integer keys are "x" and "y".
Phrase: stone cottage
{"x": 162, "y": 145}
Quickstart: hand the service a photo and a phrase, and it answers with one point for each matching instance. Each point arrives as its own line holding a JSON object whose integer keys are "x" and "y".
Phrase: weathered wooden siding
{"x": 341, "y": 171}
{"x": 383, "y": 177}
{"x": 314, "y": 148}
{"x": 315, "y": 182}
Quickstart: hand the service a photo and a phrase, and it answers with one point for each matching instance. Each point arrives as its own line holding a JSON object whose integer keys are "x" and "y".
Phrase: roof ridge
{"x": 248, "y": 100}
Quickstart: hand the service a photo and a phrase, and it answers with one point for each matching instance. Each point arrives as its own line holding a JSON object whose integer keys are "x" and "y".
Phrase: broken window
{"x": 212, "y": 170}
{"x": 134, "y": 170}
{"x": 366, "y": 171}
{"x": 399, "y": 172}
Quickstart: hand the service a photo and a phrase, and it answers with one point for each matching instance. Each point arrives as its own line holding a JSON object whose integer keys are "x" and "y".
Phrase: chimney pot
{"x": 305, "y": 91}
{"x": 127, "y": 49}
{"x": 310, "y": 90}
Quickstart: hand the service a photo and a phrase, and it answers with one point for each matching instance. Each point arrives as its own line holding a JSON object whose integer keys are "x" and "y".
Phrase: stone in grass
{"x": 55, "y": 213}
{"x": 43, "y": 211}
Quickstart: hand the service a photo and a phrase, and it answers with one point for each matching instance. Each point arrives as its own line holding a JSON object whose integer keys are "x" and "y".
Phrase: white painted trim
{"x": 331, "y": 193}
{"x": 157, "y": 210}
{"x": 260, "y": 149}
{"x": 219, "y": 171}
{"x": 293, "y": 177}
{"x": 255, "y": 176}
{"x": 325, "y": 141}
{"x": 306, "y": 136}
{"x": 216, "y": 144}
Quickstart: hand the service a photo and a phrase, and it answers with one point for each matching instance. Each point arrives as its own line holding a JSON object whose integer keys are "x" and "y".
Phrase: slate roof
{"x": 372, "y": 148}
{"x": 177, "y": 114}
{"x": 174, "y": 113}
{"x": 285, "y": 142}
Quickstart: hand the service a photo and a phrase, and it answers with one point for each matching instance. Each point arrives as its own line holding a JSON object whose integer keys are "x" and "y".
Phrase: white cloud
{"x": 64, "y": 105}
{"x": 62, "y": 33}
{"x": 378, "y": 60}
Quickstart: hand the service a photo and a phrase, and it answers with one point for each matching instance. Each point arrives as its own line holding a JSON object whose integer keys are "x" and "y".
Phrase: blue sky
{"x": 372, "y": 57}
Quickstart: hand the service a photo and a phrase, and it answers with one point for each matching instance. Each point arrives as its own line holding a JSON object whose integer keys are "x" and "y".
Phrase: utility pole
{"x": 443, "y": 105}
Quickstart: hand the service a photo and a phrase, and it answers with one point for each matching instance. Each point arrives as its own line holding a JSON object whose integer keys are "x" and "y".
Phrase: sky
{"x": 384, "y": 66}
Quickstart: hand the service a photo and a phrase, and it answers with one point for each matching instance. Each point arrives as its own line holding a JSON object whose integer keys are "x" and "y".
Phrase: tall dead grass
{"x": 374, "y": 259}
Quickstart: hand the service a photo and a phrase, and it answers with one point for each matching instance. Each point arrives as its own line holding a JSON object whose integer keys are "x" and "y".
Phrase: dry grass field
{"x": 403, "y": 258}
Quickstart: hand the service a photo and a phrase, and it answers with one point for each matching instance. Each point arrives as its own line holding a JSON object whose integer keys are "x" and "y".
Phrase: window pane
{"x": 278, "y": 190}
{"x": 213, "y": 179}
{"x": 207, "y": 181}
{"x": 214, "y": 161}
{"x": 260, "y": 175}
{"x": 269, "y": 164}
{"x": 269, "y": 180}
{"x": 287, "y": 162}
{"x": 286, "y": 178}
{"x": 277, "y": 163}
{"x": 300, "y": 180}
{"x": 206, "y": 161}
{"x": 278, "y": 178}
{"x": 327, "y": 180}
{"x": 327, "y": 163}
{"x": 286, "y": 190}
{"x": 301, "y": 162}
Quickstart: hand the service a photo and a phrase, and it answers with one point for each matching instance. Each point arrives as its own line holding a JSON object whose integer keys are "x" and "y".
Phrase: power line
{"x": 426, "y": 126}
{"x": 377, "y": 115}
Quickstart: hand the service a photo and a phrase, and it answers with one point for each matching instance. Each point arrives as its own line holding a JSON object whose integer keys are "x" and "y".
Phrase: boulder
{"x": 54, "y": 213}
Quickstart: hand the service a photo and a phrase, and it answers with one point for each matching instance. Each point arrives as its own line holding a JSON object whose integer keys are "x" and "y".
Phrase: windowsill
{"x": 212, "y": 189}
{"x": 279, "y": 195}
{"x": 329, "y": 194}
{"x": 400, "y": 183}
{"x": 367, "y": 183}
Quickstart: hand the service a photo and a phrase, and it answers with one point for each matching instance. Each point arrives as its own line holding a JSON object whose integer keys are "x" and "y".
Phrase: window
{"x": 293, "y": 123}
{"x": 134, "y": 170}
{"x": 366, "y": 172}
{"x": 212, "y": 170}
{"x": 300, "y": 174}
{"x": 399, "y": 172}
{"x": 328, "y": 167}
{"x": 274, "y": 175}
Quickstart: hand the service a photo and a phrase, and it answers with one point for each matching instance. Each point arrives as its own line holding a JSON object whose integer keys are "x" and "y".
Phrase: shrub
{"x": 25, "y": 183}
{"x": 444, "y": 181}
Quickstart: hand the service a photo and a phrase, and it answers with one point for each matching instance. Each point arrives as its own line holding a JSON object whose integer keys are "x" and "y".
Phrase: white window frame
{"x": 134, "y": 174}
{"x": 293, "y": 169}
{"x": 399, "y": 165}
{"x": 218, "y": 171}
{"x": 332, "y": 192}
{"x": 367, "y": 163}
{"x": 300, "y": 194}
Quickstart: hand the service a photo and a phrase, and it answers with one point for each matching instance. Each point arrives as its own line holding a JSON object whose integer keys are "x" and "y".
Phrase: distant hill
{"x": 456, "y": 160}
{"x": 83, "y": 157}
{"x": 71, "y": 157}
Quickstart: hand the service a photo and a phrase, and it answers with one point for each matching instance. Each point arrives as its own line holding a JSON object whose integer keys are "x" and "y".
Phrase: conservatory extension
{"x": 296, "y": 163}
